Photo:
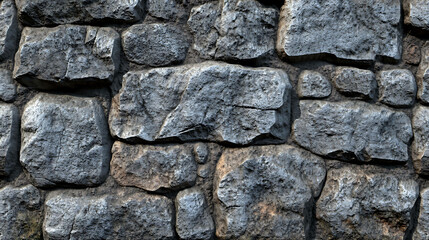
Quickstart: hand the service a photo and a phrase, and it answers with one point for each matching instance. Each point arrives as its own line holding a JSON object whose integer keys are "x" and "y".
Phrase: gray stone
{"x": 355, "y": 82}
{"x": 359, "y": 202}
{"x": 266, "y": 192}
{"x": 65, "y": 140}
{"x": 67, "y": 56}
{"x": 9, "y": 138}
{"x": 208, "y": 101}
{"x": 352, "y": 30}
{"x": 8, "y": 29}
{"x": 7, "y": 86}
{"x": 420, "y": 145}
{"x": 353, "y": 131}
{"x": 20, "y": 213}
{"x": 153, "y": 168}
{"x": 193, "y": 219}
{"x": 312, "y": 84}
{"x": 155, "y": 44}
{"x": 234, "y": 29}
{"x": 422, "y": 75}
{"x": 397, "y": 87}
{"x": 422, "y": 229}
{"x": 201, "y": 152}
{"x": 47, "y": 12}
{"x": 163, "y": 9}
{"x": 417, "y": 14}
{"x": 116, "y": 216}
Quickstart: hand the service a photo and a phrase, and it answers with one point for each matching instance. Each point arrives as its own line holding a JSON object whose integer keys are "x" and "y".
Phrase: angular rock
{"x": 9, "y": 138}
{"x": 153, "y": 168}
{"x": 131, "y": 216}
{"x": 20, "y": 213}
{"x": 352, "y": 30}
{"x": 266, "y": 192}
{"x": 155, "y": 44}
{"x": 422, "y": 75}
{"x": 234, "y": 29}
{"x": 361, "y": 203}
{"x": 421, "y": 140}
{"x": 67, "y": 56}
{"x": 201, "y": 152}
{"x": 397, "y": 87}
{"x": 163, "y": 9}
{"x": 353, "y": 131}
{"x": 193, "y": 219}
{"x": 355, "y": 82}
{"x": 8, "y": 28}
{"x": 208, "y": 101}
{"x": 417, "y": 14}
{"x": 7, "y": 86}
{"x": 46, "y": 12}
{"x": 422, "y": 229}
{"x": 65, "y": 141}
{"x": 313, "y": 85}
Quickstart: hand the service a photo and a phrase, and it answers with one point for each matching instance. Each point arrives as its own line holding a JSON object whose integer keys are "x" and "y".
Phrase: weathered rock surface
{"x": 155, "y": 44}
{"x": 163, "y": 9}
{"x": 116, "y": 216}
{"x": 8, "y": 28}
{"x": 361, "y": 203}
{"x": 193, "y": 219}
{"x": 47, "y": 12}
{"x": 67, "y": 56}
{"x": 312, "y": 84}
{"x": 421, "y": 140}
{"x": 355, "y": 82}
{"x": 20, "y": 213}
{"x": 153, "y": 168}
{"x": 209, "y": 101}
{"x": 65, "y": 140}
{"x": 353, "y": 131}
{"x": 266, "y": 192}
{"x": 417, "y": 14}
{"x": 423, "y": 74}
{"x": 353, "y": 30}
{"x": 397, "y": 87}
{"x": 9, "y": 138}
{"x": 7, "y": 86}
{"x": 422, "y": 229}
{"x": 234, "y": 29}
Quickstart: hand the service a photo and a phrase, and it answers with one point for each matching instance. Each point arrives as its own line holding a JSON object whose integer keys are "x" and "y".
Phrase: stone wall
{"x": 229, "y": 119}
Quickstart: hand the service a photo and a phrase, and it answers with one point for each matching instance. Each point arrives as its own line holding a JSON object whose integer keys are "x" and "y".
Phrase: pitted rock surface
{"x": 397, "y": 87}
{"x": 355, "y": 82}
{"x": 8, "y": 29}
{"x": 312, "y": 84}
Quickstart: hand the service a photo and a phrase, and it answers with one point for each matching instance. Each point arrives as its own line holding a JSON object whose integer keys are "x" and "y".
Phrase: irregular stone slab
{"x": 131, "y": 216}
{"x": 355, "y": 82}
{"x": 8, "y": 28}
{"x": 359, "y": 202}
{"x": 163, "y": 9}
{"x": 20, "y": 213}
{"x": 67, "y": 56}
{"x": 193, "y": 219}
{"x": 234, "y": 29}
{"x": 417, "y": 14}
{"x": 353, "y": 131}
{"x": 423, "y": 74}
{"x": 46, "y": 12}
{"x": 208, "y": 101}
{"x": 9, "y": 138}
{"x": 153, "y": 168}
{"x": 155, "y": 44}
{"x": 397, "y": 87}
{"x": 266, "y": 192}
{"x": 65, "y": 141}
{"x": 7, "y": 86}
{"x": 312, "y": 84}
{"x": 421, "y": 141}
{"x": 422, "y": 229}
{"x": 352, "y": 30}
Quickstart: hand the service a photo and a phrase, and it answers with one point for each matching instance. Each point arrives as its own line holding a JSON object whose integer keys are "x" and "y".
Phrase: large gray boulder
{"x": 417, "y": 14}
{"x": 365, "y": 202}
{"x": 65, "y": 141}
{"x": 353, "y": 131}
{"x": 422, "y": 229}
{"x": 9, "y": 138}
{"x": 67, "y": 56}
{"x": 352, "y": 30}
{"x": 8, "y": 28}
{"x": 7, "y": 86}
{"x": 420, "y": 144}
{"x": 422, "y": 75}
{"x": 266, "y": 192}
{"x": 209, "y": 101}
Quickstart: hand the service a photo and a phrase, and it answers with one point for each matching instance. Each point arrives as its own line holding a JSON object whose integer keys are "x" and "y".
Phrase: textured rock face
{"x": 421, "y": 140}
{"x": 8, "y": 28}
{"x": 266, "y": 192}
{"x": 353, "y": 30}
{"x": 353, "y": 131}
{"x": 234, "y": 29}
{"x": 423, "y": 74}
{"x": 355, "y": 82}
{"x": 20, "y": 216}
{"x": 155, "y": 44}
{"x": 397, "y": 87}
{"x": 67, "y": 56}
{"x": 130, "y": 216}
{"x": 9, "y": 138}
{"x": 163, "y": 9}
{"x": 47, "y": 12}
{"x": 208, "y": 101}
{"x": 193, "y": 220}
{"x": 153, "y": 168}
{"x": 7, "y": 86}
{"x": 417, "y": 14}
{"x": 313, "y": 85}
{"x": 64, "y": 141}
{"x": 422, "y": 229}
{"x": 360, "y": 203}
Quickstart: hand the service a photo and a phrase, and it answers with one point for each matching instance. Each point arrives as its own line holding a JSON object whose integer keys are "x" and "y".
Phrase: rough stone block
{"x": 423, "y": 74}
{"x": 421, "y": 140}
{"x": 355, "y": 82}
{"x": 8, "y": 29}
{"x": 9, "y": 138}
{"x": 397, "y": 87}
{"x": 164, "y": 9}
{"x": 422, "y": 229}
{"x": 313, "y": 85}
{"x": 7, "y": 86}
{"x": 417, "y": 14}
